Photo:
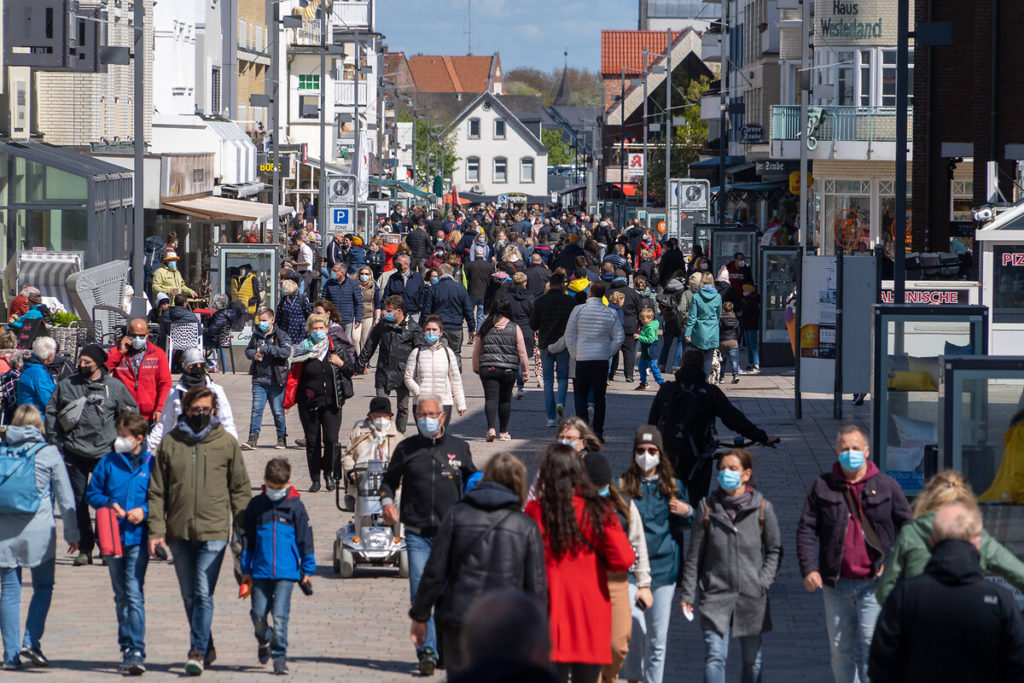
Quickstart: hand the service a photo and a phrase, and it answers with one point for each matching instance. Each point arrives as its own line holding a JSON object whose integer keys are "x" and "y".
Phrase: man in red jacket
{"x": 143, "y": 368}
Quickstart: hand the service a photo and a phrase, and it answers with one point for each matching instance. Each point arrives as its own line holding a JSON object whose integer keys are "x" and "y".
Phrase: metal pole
{"x": 321, "y": 194}
{"x": 723, "y": 108}
{"x": 668, "y": 115}
{"x": 622, "y": 137}
{"x": 380, "y": 119}
{"x": 900, "y": 229}
{"x": 355, "y": 129}
{"x": 139, "y": 210}
{"x": 805, "y": 78}
{"x": 837, "y": 387}
{"x": 645, "y": 130}
{"x": 273, "y": 28}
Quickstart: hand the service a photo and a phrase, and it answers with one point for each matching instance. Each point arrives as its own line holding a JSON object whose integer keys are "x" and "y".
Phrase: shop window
{"x": 1007, "y": 284}
{"x": 847, "y": 212}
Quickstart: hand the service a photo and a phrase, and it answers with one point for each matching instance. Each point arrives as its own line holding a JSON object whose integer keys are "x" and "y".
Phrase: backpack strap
{"x": 760, "y": 515}
{"x": 707, "y": 514}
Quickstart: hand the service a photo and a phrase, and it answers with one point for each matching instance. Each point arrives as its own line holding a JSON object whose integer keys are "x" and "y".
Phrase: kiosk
{"x": 264, "y": 261}
{"x": 1001, "y": 265}
{"x": 778, "y": 278}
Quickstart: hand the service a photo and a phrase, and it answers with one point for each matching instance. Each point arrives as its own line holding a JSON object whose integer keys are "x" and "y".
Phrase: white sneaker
{"x": 552, "y": 423}
{"x": 520, "y": 394}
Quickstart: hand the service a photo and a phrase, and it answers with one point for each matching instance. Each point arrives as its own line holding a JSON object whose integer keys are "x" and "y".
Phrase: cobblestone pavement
{"x": 357, "y": 629}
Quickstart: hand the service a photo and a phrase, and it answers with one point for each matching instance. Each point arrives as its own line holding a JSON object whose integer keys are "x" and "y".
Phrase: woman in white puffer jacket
{"x": 432, "y": 369}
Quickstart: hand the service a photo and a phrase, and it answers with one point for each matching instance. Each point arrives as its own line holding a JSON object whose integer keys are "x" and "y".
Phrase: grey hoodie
{"x": 94, "y": 434}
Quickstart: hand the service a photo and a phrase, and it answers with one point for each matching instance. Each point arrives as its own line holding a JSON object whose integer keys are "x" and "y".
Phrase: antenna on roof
{"x": 469, "y": 27}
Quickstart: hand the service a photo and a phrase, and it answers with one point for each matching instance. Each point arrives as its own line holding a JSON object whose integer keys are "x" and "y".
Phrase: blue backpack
{"x": 18, "y": 492}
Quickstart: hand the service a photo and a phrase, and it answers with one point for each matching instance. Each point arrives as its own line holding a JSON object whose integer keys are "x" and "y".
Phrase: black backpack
{"x": 153, "y": 248}
{"x": 687, "y": 424}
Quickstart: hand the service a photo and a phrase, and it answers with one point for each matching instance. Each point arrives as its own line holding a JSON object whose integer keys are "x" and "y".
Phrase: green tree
{"x": 559, "y": 151}
{"x": 435, "y": 153}
{"x": 689, "y": 139}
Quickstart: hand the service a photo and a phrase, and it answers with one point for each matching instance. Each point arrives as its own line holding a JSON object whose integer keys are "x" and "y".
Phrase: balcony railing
{"x": 308, "y": 35}
{"x": 839, "y": 124}
{"x": 345, "y": 93}
{"x": 351, "y": 15}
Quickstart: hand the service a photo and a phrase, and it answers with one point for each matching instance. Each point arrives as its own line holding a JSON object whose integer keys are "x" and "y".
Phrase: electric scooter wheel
{"x": 346, "y": 564}
{"x": 337, "y": 561}
{"x": 403, "y": 564}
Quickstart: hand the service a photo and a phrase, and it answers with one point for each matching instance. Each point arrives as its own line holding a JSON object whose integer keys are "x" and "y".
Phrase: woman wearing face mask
{"x": 432, "y": 368}
{"x": 375, "y": 257}
{"x": 371, "y": 307}
{"x": 703, "y": 320}
{"x": 499, "y": 354}
{"x": 663, "y": 507}
{"x": 194, "y": 375}
{"x": 121, "y": 482}
{"x": 372, "y": 438}
{"x": 734, "y": 554}
{"x": 268, "y": 349}
{"x": 316, "y": 382}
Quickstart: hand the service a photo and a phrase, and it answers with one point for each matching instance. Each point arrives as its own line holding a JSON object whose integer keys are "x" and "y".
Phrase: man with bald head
{"x": 143, "y": 368}
{"x": 949, "y": 624}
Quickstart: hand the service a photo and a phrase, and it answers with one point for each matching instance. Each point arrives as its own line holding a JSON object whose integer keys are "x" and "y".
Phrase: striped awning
{"x": 224, "y": 209}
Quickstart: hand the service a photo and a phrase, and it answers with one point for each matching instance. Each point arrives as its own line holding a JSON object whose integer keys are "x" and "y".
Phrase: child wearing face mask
{"x": 277, "y": 553}
{"x": 121, "y": 482}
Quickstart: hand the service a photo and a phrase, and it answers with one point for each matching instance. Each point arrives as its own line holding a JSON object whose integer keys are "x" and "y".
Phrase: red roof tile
{"x": 436, "y": 73}
{"x": 624, "y": 49}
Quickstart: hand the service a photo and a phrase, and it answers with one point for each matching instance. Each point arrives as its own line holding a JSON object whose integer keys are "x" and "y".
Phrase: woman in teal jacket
{"x": 661, "y": 500}
{"x": 913, "y": 547}
{"x": 702, "y": 321}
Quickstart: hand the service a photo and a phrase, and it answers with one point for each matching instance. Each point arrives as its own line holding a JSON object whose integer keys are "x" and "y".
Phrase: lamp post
{"x": 668, "y": 113}
{"x": 622, "y": 135}
{"x": 138, "y": 270}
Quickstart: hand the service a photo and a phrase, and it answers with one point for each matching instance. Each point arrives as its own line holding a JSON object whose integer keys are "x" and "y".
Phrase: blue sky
{"x": 526, "y": 32}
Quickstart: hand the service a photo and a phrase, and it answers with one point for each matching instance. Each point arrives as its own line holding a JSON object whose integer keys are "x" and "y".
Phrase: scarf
{"x": 307, "y": 350}
{"x": 190, "y": 382}
{"x": 185, "y": 428}
{"x": 733, "y": 504}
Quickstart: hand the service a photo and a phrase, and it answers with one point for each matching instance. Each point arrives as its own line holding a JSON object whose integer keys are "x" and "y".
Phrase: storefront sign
{"x": 855, "y": 22}
{"x": 752, "y": 133}
{"x": 932, "y": 297}
{"x": 846, "y": 228}
{"x": 1013, "y": 258}
{"x": 770, "y": 167}
{"x": 636, "y": 164}
{"x": 794, "y": 181}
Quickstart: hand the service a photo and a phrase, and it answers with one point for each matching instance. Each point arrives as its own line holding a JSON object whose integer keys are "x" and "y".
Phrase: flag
{"x": 455, "y": 195}
{"x": 361, "y": 167}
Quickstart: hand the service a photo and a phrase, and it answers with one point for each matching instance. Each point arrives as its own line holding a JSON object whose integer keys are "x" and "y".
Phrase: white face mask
{"x": 276, "y": 494}
{"x": 647, "y": 461}
{"x": 123, "y": 444}
{"x": 381, "y": 424}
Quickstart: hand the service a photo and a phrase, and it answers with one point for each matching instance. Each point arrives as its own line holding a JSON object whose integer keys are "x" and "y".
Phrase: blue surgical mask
{"x": 364, "y": 277}
{"x": 710, "y": 289}
{"x": 428, "y": 426}
{"x": 275, "y": 494}
{"x": 317, "y": 336}
{"x": 567, "y": 442}
{"x": 389, "y": 316}
{"x": 433, "y": 280}
{"x": 851, "y": 461}
{"x": 263, "y": 325}
{"x": 431, "y": 337}
{"x": 729, "y": 480}
{"x": 603, "y": 491}
{"x": 171, "y": 265}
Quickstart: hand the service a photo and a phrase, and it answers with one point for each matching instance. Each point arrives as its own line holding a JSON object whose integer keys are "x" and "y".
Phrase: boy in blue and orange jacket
{"x": 277, "y": 553}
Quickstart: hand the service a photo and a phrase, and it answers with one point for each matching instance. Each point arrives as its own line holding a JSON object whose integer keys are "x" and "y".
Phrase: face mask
{"x": 389, "y": 316}
{"x": 481, "y": 241}
{"x": 276, "y": 494}
{"x": 172, "y": 265}
{"x": 123, "y": 444}
{"x": 195, "y": 371}
{"x": 317, "y": 336}
{"x": 433, "y": 280}
{"x": 742, "y": 264}
{"x": 568, "y": 442}
{"x": 619, "y": 279}
{"x": 198, "y": 422}
{"x": 339, "y": 276}
{"x": 708, "y": 288}
{"x": 381, "y": 424}
{"x": 851, "y": 461}
{"x": 139, "y": 343}
{"x": 428, "y": 426}
{"x": 728, "y": 480}
{"x": 603, "y": 491}
{"x": 263, "y": 325}
{"x": 431, "y": 337}
{"x": 703, "y": 266}
{"x": 646, "y": 461}
{"x": 85, "y": 371}
{"x": 364, "y": 278}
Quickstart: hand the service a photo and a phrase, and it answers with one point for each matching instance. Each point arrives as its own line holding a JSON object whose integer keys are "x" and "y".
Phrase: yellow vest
{"x": 243, "y": 290}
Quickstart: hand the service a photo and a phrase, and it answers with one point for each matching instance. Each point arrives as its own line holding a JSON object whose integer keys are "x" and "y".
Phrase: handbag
{"x": 108, "y": 532}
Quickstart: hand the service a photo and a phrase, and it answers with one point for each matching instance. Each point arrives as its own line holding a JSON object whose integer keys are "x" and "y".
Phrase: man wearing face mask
{"x": 343, "y": 291}
{"x": 739, "y": 272}
{"x": 849, "y": 523}
{"x": 80, "y": 420}
{"x": 408, "y": 284}
{"x": 433, "y": 469}
{"x": 396, "y": 335}
{"x": 168, "y": 279}
{"x": 194, "y": 375}
{"x": 143, "y": 368}
{"x": 373, "y": 438}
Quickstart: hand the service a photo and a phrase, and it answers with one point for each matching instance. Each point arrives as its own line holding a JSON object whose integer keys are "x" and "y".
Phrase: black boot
{"x": 329, "y": 482}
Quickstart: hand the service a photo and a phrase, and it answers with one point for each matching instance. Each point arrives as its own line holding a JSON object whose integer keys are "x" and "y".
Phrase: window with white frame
{"x": 243, "y": 36}
{"x": 526, "y": 170}
{"x": 474, "y": 129}
{"x": 500, "y": 170}
{"x": 499, "y": 129}
{"x": 863, "y": 77}
{"x": 473, "y": 170}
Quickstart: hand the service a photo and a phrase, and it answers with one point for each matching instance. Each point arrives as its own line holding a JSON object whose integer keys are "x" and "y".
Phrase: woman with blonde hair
{"x": 913, "y": 547}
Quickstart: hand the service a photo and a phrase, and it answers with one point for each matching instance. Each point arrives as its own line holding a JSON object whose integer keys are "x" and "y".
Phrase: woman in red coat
{"x": 583, "y": 541}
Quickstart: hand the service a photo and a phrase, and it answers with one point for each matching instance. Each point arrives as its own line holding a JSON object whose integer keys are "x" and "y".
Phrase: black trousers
{"x": 578, "y": 673}
{"x": 454, "y": 338}
{"x": 696, "y": 474}
{"x": 320, "y": 426}
{"x": 79, "y": 470}
{"x": 402, "y": 413}
{"x": 498, "y": 383}
{"x": 591, "y": 376}
{"x": 628, "y": 351}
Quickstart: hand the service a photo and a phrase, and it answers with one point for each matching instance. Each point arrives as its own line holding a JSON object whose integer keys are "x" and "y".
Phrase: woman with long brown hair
{"x": 371, "y": 306}
{"x": 582, "y": 541}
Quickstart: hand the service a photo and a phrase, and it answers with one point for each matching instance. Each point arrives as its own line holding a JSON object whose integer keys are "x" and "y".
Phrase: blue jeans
{"x": 731, "y": 360}
{"x": 270, "y": 596}
{"x": 127, "y": 576}
{"x": 261, "y": 394}
{"x": 716, "y": 652}
{"x": 646, "y": 364}
{"x": 554, "y": 365}
{"x": 666, "y": 348}
{"x": 38, "y": 607}
{"x": 851, "y": 611}
{"x": 646, "y": 659}
{"x": 478, "y": 311}
{"x": 419, "y": 550}
{"x": 197, "y": 564}
{"x": 750, "y": 337}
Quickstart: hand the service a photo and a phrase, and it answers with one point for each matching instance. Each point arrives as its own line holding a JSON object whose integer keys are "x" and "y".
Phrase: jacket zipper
{"x": 273, "y": 562}
{"x": 195, "y": 488}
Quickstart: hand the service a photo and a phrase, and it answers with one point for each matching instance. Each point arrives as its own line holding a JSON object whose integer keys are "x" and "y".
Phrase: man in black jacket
{"x": 396, "y": 334}
{"x": 671, "y": 261}
{"x": 478, "y": 274}
{"x": 949, "y": 624}
{"x": 432, "y": 468}
{"x": 450, "y": 300}
{"x": 408, "y": 283}
{"x": 420, "y": 246}
{"x": 537, "y": 275}
{"x": 549, "y": 316}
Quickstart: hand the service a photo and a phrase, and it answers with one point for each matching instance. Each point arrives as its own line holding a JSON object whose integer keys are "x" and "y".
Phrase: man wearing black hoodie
{"x": 949, "y": 624}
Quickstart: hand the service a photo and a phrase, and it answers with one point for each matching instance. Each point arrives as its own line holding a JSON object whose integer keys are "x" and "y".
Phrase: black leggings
{"x": 577, "y": 672}
{"x": 498, "y": 384}
{"x": 316, "y": 422}
{"x": 628, "y": 351}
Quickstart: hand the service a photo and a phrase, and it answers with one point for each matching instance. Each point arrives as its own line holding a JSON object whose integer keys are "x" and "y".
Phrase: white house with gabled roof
{"x": 495, "y": 152}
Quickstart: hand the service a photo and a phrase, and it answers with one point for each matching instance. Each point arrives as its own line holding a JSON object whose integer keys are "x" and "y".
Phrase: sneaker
{"x": 11, "y": 666}
{"x": 281, "y": 667}
{"x": 251, "y": 443}
{"x": 491, "y": 436}
{"x": 552, "y": 423}
{"x": 630, "y": 379}
{"x": 755, "y": 370}
{"x": 211, "y": 654}
{"x": 282, "y": 443}
{"x": 858, "y": 399}
{"x": 194, "y": 665}
{"x": 136, "y": 664}
{"x": 735, "y": 379}
{"x": 640, "y": 387}
{"x": 559, "y": 409}
{"x": 35, "y": 655}
{"x": 520, "y": 394}
{"x": 263, "y": 652}
{"x": 301, "y": 443}
{"x": 82, "y": 559}
{"x": 428, "y": 662}
{"x": 126, "y": 657}
{"x": 504, "y": 436}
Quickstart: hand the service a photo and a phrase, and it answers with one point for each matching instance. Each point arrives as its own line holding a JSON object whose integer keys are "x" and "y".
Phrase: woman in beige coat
{"x": 433, "y": 369}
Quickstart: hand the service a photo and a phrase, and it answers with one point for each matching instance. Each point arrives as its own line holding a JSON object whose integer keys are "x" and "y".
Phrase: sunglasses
{"x": 200, "y": 411}
{"x": 652, "y": 450}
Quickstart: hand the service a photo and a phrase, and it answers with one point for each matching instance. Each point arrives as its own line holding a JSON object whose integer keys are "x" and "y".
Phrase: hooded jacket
{"x": 396, "y": 341}
{"x": 593, "y": 332}
{"x": 521, "y": 302}
{"x": 94, "y": 433}
{"x": 35, "y": 385}
{"x": 949, "y": 624}
{"x": 913, "y": 549}
{"x": 121, "y": 479}
{"x": 549, "y": 316}
{"x": 172, "y": 409}
{"x": 277, "y": 538}
{"x": 702, "y": 320}
{"x": 509, "y": 557}
{"x": 630, "y": 306}
{"x": 579, "y": 287}
{"x": 147, "y": 382}
{"x": 450, "y": 300}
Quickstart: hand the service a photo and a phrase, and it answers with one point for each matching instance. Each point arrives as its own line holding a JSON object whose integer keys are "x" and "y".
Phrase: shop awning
{"x": 628, "y": 189}
{"x": 752, "y": 187}
{"x": 713, "y": 162}
{"x": 224, "y": 209}
{"x": 572, "y": 188}
{"x": 399, "y": 185}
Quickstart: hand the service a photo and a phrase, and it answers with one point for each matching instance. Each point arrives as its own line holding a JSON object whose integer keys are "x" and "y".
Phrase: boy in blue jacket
{"x": 121, "y": 481}
{"x": 277, "y": 552}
